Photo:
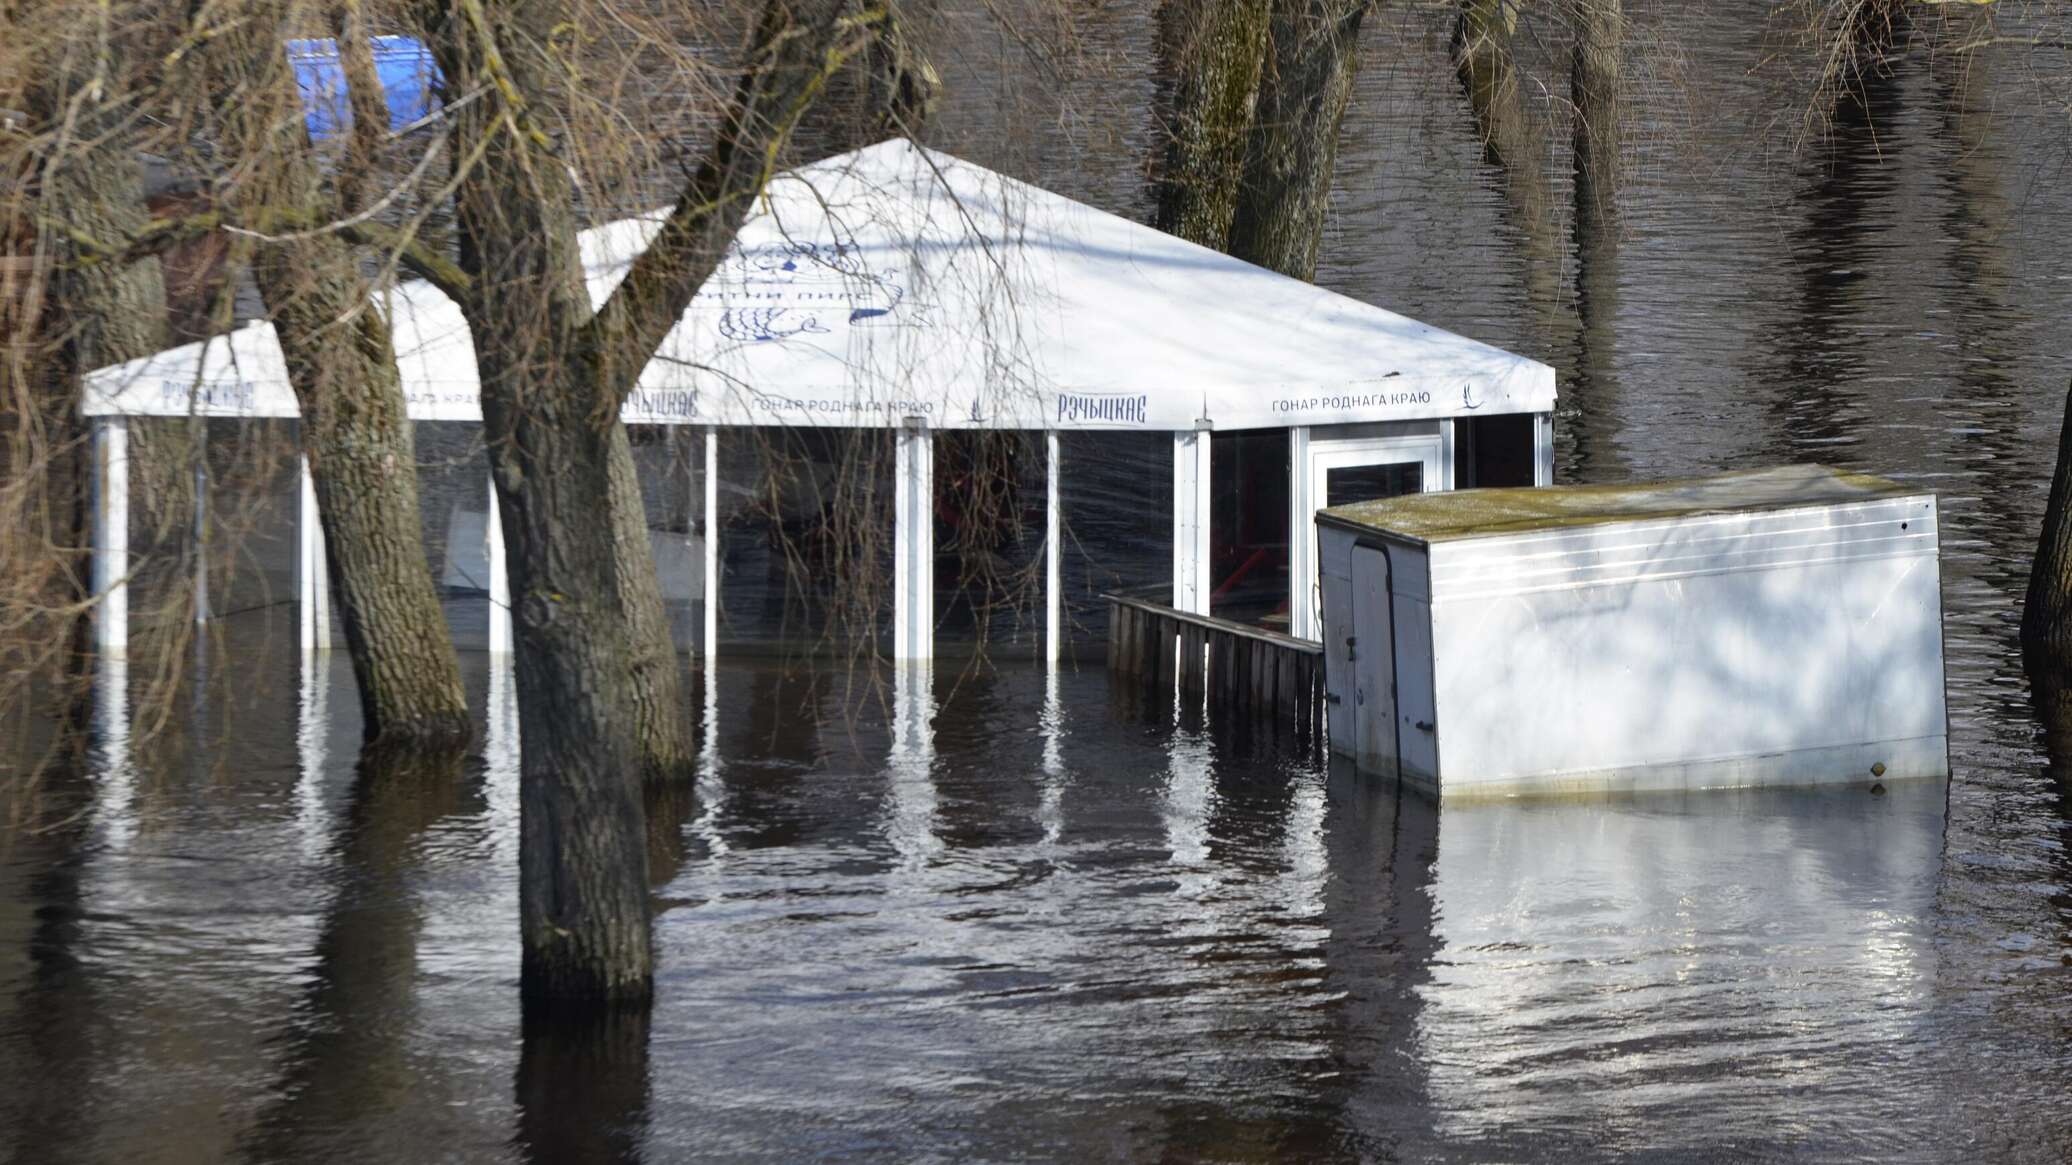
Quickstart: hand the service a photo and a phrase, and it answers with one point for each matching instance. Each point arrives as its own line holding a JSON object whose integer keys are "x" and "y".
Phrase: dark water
{"x": 1001, "y": 919}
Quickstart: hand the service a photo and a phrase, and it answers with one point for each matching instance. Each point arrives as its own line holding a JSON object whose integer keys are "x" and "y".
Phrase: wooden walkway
{"x": 1239, "y": 671}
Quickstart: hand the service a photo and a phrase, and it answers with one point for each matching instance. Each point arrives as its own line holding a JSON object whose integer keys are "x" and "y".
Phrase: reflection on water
{"x": 1001, "y": 919}
{"x": 1006, "y": 919}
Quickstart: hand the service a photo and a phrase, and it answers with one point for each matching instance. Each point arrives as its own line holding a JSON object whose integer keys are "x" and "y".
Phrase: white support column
{"x": 711, "y": 551}
{"x": 499, "y": 577}
{"x": 1191, "y": 521}
{"x": 500, "y": 757}
{"x": 913, "y": 543}
{"x": 1050, "y": 811}
{"x": 111, "y": 535}
{"x": 1302, "y": 516}
{"x": 1053, "y": 579}
{"x": 1448, "y": 475}
{"x": 312, "y": 571}
{"x": 312, "y": 733}
{"x": 115, "y": 797}
{"x": 712, "y": 790}
{"x": 201, "y": 542}
{"x": 1543, "y": 449}
{"x": 913, "y": 826}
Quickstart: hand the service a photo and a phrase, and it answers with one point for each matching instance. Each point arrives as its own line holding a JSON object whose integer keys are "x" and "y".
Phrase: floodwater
{"x": 1003, "y": 917}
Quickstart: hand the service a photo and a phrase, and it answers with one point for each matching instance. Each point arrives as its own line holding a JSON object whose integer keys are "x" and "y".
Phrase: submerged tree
{"x": 1595, "y": 89}
{"x": 2047, "y": 613}
{"x": 1292, "y": 150}
{"x": 356, "y": 429}
{"x": 1255, "y": 92}
{"x": 1212, "y": 53}
{"x": 554, "y": 372}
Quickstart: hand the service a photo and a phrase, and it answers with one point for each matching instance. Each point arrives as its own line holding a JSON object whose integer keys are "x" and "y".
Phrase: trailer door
{"x": 1372, "y": 648}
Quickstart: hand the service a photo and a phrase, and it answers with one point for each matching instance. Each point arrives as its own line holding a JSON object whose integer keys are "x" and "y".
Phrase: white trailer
{"x": 1773, "y": 627}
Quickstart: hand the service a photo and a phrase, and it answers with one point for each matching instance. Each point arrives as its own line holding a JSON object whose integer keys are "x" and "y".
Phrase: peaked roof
{"x": 895, "y": 282}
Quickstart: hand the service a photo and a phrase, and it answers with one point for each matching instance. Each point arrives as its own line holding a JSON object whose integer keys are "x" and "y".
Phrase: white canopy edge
{"x": 896, "y": 283}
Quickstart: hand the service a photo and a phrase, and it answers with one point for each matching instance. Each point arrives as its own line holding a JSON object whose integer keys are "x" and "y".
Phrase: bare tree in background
{"x": 1212, "y": 54}
{"x": 1255, "y": 92}
{"x": 1292, "y": 151}
{"x": 1595, "y": 84}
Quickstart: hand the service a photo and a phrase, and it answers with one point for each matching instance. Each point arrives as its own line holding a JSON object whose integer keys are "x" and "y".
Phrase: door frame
{"x": 1312, "y": 454}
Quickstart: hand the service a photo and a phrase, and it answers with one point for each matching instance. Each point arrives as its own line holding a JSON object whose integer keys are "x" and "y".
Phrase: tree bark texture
{"x": 2047, "y": 614}
{"x": 1482, "y": 58}
{"x": 661, "y": 712}
{"x": 1594, "y": 89}
{"x": 357, "y": 434}
{"x": 553, "y": 375}
{"x": 1211, "y": 54}
{"x": 356, "y": 428}
{"x": 1594, "y": 86}
{"x": 1293, "y": 147}
{"x": 1513, "y": 141}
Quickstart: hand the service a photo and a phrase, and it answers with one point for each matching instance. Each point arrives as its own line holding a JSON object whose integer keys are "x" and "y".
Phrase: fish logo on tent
{"x": 776, "y": 291}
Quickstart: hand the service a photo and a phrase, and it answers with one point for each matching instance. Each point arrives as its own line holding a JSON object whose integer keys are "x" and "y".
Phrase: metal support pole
{"x": 312, "y": 734}
{"x": 913, "y": 543}
{"x": 201, "y": 539}
{"x": 313, "y": 575}
{"x": 1302, "y": 538}
{"x": 115, "y": 796}
{"x": 1543, "y": 449}
{"x": 499, "y": 577}
{"x": 111, "y": 535}
{"x": 711, "y": 551}
{"x": 1053, "y": 581}
{"x": 1191, "y": 521}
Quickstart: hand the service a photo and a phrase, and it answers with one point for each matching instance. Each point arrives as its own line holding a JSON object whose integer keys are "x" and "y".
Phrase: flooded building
{"x": 921, "y": 402}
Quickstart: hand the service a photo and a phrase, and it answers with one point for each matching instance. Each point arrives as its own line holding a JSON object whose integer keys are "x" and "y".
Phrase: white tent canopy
{"x": 898, "y": 287}
{"x": 896, "y": 282}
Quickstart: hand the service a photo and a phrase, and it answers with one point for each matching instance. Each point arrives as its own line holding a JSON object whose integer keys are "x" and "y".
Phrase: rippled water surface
{"x": 1002, "y": 917}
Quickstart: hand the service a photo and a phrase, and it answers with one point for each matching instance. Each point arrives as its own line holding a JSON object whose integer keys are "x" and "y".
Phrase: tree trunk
{"x": 1293, "y": 146}
{"x": 661, "y": 715}
{"x": 551, "y": 432}
{"x": 1211, "y": 53}
{"x": 582, "y": 851}
{"x": 1594, "y": 86}
{"x": 553, "y": 373}
{"x": 2047, "y": 615}
{"x": 1482, "y": 59}
{"x": 356, "y": 428}
{"x": 1513, "y": 141}
{"x": 357, "y": 434}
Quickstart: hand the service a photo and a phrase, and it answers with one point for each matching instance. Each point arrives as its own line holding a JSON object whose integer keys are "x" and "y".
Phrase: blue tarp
{"x": 409, "y": 80}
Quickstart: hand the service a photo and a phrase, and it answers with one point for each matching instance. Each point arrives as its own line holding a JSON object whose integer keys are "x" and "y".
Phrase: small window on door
{"x": 1364, "y": 483}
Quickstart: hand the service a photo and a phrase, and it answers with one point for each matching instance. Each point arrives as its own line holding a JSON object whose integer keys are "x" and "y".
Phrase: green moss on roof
{"x": 1476, "y": 513}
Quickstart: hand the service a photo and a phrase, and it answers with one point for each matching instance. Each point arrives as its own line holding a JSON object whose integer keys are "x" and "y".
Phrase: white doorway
{"x": 1354, "y": 466}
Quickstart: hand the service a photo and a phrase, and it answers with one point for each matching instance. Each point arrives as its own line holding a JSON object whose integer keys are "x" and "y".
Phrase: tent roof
{"x": 895, "y": 282}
